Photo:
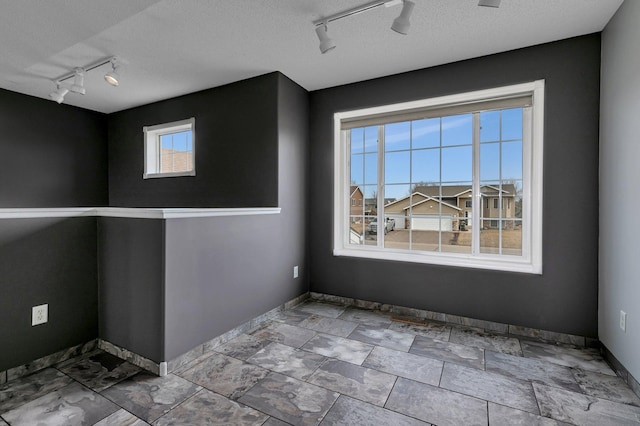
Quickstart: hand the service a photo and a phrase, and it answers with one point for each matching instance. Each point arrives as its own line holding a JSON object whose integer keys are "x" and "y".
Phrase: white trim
{"x": 137, "y": 213}
{"x": 502, "y": 263}
{"x": 531, "y": 259}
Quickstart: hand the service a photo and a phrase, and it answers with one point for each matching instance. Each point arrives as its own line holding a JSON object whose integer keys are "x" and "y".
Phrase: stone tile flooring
{"x": 334, "y": 365}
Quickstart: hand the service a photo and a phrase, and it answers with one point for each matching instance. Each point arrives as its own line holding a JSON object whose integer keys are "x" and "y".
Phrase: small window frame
{"x": 152, "y": 150}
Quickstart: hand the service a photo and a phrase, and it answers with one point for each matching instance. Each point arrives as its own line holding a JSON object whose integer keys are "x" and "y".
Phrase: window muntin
{"x": 170, "y": 149}
{"x": 420, "y": 177}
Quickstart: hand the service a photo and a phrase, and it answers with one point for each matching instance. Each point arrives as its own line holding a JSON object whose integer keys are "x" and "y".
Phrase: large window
{"x": 419, "y": 167}
{"x": 170, "y": 149}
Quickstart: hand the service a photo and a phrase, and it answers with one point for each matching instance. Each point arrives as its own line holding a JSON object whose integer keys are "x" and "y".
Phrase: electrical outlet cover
{"x": 623, "y": 321}
{"x": 39, "y": 314}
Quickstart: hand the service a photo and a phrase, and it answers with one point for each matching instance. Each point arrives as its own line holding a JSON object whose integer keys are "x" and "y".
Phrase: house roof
{"x": 450, "y": 191}
{"x": 432, "y": 199}
{"x": 353, "y": 189}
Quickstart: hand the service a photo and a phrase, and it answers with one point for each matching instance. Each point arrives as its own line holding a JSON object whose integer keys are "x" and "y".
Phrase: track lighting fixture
{"x": 400, "y": 24}
{"x": 59, "y": 94}
{"x": 78, "y": 82}
{"x": 326, "y": 44}
{"x": 112, "y": 77}
{"x": 489, "y": 3}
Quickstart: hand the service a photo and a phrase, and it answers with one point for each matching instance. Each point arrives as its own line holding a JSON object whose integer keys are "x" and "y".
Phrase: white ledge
{"x": 137, "y": 213}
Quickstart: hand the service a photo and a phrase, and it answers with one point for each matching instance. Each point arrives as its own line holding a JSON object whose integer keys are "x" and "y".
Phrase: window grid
{"x": 505, "y": 216}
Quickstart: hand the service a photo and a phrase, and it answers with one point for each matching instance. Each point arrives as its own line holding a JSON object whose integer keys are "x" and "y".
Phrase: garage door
{"x": 429, "y": 222}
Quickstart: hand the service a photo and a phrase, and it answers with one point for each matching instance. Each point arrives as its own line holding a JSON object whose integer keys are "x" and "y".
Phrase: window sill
{"x": 168, "y": 175}
{"x": 444, "y": 259}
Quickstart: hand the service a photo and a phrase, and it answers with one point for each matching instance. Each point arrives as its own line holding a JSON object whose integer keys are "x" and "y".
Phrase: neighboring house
{"x": 356, "y": 200}
{"x": 174, "y": 160}
{"x": 371, "y": 205}
{"x": 443, "y": 207}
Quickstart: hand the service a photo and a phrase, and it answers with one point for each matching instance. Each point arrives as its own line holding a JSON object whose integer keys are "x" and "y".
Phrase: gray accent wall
{"x": 619, "y": 175}
{"x": 131, "y": 277}
{"x": 167, "y": 286}
{"x": 50, "y": 261}
{"x": 224, "y": 271}
{"x": 52, "y": 156}
{"x": 235, "y": 144}
{"x": 565, "y": 297}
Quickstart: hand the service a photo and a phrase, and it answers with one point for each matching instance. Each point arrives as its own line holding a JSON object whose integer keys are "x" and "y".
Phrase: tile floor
{"x": 335, "y": 365}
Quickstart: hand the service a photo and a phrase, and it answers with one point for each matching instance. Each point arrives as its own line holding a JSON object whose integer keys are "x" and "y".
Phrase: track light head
{"x": 59, "y": 94}
{"x": 401, "y": 24}
{"x": 326, "y": 44}
{"x": 113, "y": 76}
{"x": 78, "y": 82}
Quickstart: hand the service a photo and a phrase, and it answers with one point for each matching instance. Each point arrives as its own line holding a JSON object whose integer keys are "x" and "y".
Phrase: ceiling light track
{"x": 400, "y": 24}
{"x": 112, "y": 77}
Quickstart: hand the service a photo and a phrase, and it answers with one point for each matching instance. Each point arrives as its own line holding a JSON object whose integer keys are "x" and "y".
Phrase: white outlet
{"x": 295, "y": 272}
{"x": 623, "y": 321}
{"x": 39, "y": 314}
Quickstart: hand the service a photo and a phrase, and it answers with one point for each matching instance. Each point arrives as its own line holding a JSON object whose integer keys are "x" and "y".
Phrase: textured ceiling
{"x": 174, "y": 47}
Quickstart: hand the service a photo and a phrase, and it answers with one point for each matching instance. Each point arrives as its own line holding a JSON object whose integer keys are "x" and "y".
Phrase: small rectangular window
{"x": 467, "y": 203}
{"x": 495, "y": 203}
{"x": 170, "y": 149}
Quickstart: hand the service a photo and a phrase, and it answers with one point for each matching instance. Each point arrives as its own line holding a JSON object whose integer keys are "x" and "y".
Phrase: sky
{"x": 180, "y": 141}
{"x": 438, "y": 151}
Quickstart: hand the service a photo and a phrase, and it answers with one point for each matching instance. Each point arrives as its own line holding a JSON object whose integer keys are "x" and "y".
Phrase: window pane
{"x": 357, "y": 169}
{"x": 425, "y": 133}
{"x": 512, "y": 238}
{"x": 489, "y": 126}
{"x": 166, "y": 141}
{"x": 175, "y": 155}
{"x": 425, "y": 166}
{"x": 457, "y": 130}
{"x": 357, "y": 141}
{"x": 490, "y": 161}
{"x": 371, "y": 169}
{"x": 397, "y": 167}
{"x": 397, "y": 136}
{"x": 512, "y": 160}
{"x": 512, "y": 124}
{"x": 180, "y": 141}
{"x": 456, "y": 164}
{"x": 371, "y": 139}
{"x": 356, "y": 230}
{"x": 166, "y": 161}
{"x": 396, "y": 192}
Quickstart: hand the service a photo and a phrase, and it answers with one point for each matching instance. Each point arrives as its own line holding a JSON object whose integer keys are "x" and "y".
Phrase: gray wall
{"x": 221, "y": 272}
{"x": 564, "y": 298}
{"x": 168, "y": 286}
{"x": 236, "y": 149}
{"x": 52, "y": 156}
{"x": 619, "y": 175}
{"x": 49, "y": 261}
{"x": 131, "y": 276}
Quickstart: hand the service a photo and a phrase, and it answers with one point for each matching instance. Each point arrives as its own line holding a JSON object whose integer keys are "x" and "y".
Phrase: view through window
{"x": 454, "y": 183}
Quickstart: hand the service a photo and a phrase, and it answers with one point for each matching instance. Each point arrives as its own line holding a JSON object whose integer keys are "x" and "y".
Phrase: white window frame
{"x": 152, "y": 147}
{"x": 531, "y": 259}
